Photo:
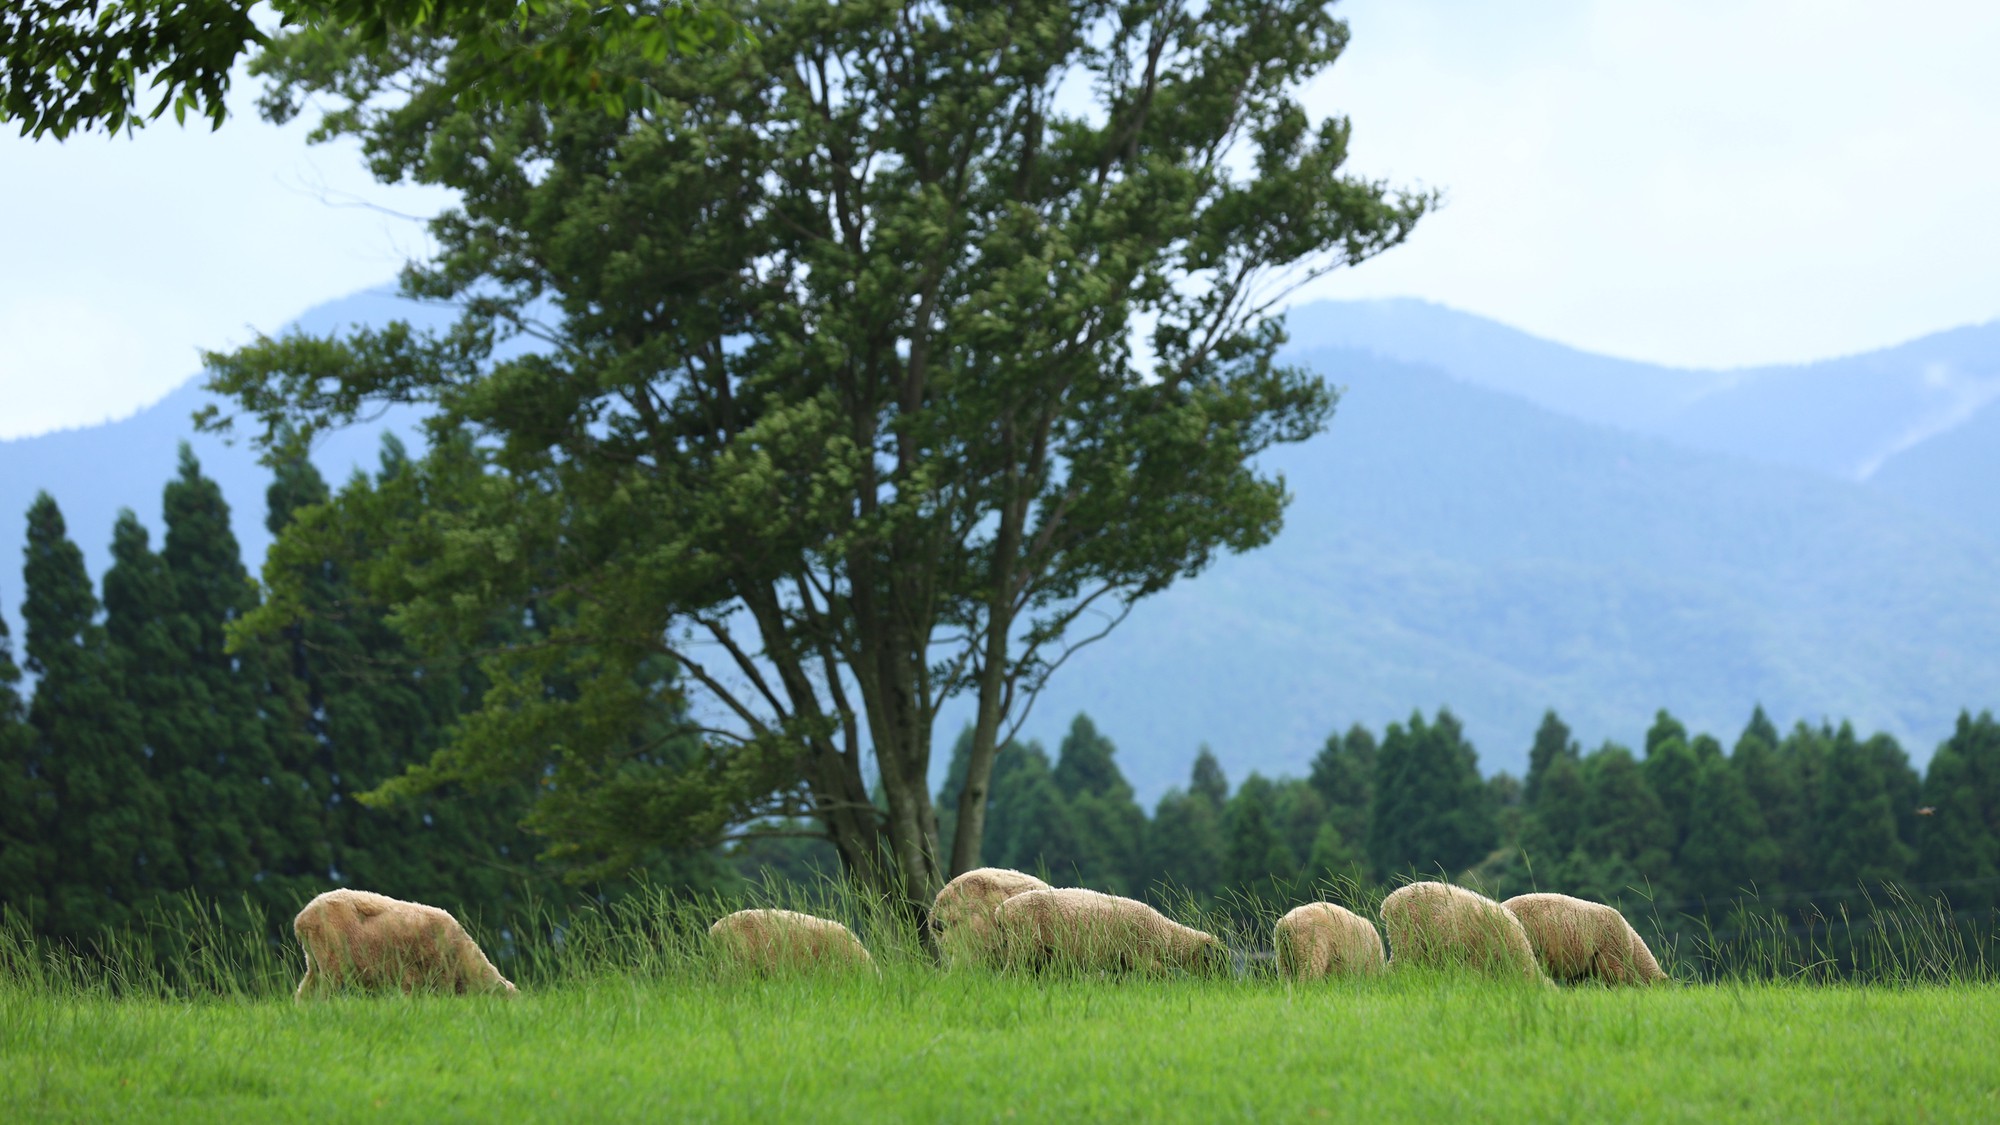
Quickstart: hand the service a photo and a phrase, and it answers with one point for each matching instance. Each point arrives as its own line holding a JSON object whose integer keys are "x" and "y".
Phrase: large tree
{"x": 890, "y": 358}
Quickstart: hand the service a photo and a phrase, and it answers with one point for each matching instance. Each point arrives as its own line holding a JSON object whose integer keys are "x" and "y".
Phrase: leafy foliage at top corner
{"x": 67, "y": 65}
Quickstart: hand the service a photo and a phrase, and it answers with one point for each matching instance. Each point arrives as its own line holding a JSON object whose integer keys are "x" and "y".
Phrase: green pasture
{"x": 926, "y": 1046}
{"x": 625, "y": 1014}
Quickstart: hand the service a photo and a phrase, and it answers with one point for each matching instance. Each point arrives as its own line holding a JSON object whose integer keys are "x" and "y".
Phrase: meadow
{"x": 624, "y": 1016}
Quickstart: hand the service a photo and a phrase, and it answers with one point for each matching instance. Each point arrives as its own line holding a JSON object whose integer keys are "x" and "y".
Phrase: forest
{"x": 151, "y": 762}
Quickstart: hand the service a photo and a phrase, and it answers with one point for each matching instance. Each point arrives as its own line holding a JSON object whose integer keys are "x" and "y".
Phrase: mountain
{"x": 1488, "y": 525}
{"x": 1841, "y": 417}
{"x": 1452, "y": 545}
{"x": 1955, "y": 474}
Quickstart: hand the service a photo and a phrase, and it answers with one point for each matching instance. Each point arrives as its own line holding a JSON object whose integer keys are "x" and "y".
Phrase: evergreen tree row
{"x": 1811, "y": 816}
{"x": 151, "y": 761}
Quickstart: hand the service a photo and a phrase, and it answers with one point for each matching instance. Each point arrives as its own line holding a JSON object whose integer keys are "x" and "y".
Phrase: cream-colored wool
{"x": 1321, "y": 939}
{"x": 1577, "y": 939}
{"x": 373, "y": 940}
{"x": 1437, "y": 924}
{"x": 1091, "y": 931}
{"x": 962, "y": 916}
{"x": 786, "y": 939}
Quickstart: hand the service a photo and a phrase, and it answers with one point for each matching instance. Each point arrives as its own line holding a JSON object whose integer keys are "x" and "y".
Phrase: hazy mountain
{"x": 1450, "y": 545}
{"x": 1843, "y": 417}
{"x": 1955, "y": 474}
{"x": 1452, "y": 542}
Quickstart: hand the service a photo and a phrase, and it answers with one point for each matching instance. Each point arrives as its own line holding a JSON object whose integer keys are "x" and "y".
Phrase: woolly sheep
{"x": 1085, "y": 929}
{"x": 1321, "y": 939}
{"x": 773, "y": 939}
{"x": 1438, "y": 924}
{"x": 1577, "y": 939}
{"x": 962, "y": 915}
{"x": 374, "y": 940}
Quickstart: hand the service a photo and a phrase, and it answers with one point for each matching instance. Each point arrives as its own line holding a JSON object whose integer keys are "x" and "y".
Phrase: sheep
{"x": 374, "y": 940}
{"x": 770, "y": 940}
{"x": 962, "y": 916}
{"x": 1437, "y": 924}
{"x": 1088, "y": 930}
{"x": 1577, "y": 939}
{"x": 1320, "y": 939}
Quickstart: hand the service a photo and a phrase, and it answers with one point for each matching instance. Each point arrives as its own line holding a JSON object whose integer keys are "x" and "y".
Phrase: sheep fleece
{"x": 373, "y": 940}
{"x": 1321, "y": 939}
{"x": 1439, "y": 924}
{"x": 1578, "y": 939}
{"x": 773, "y": 939}
{"x": 962, "y": 915}
{"x": 1090, "y": 930}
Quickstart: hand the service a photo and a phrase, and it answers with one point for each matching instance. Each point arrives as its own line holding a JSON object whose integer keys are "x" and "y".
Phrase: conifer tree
{"x": 1552, "y": 744}
{"x": 1729, "y": 850}
{"x": 1299, "y": 813}
{"x": 27, "y": 807}
{"x": 139, "y": 624}
{"x": 1860, "y": 845}
{"x": 1804, "y": 753}
{"x": 1431, "y": 809}
{"x": 1553, "y": 824}
{"x": 1625, "y": 833}
{"x": 1206, "y": 779}
{"x": 1108, "y": 823}
{"x": 1771, "y": 780}
{"x": 1031, "y": 828}
{"x": 1344, "y": 774}
{"x": 87, "y": 742}
{"x": 1186, "y": 843}
{"x": 232, "y": 793}
{"x": 1960, "y": 835}
{"x": 1671, "y": 768}
{"x": 1256, "y": 854}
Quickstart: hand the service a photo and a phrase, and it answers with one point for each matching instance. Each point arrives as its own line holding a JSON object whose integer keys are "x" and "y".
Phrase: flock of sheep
{"x": 1006, "y": 919}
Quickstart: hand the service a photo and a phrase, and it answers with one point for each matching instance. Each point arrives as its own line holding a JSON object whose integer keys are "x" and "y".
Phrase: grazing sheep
{"x": 1577, "y": 939}
{"x": 1089, "y": 930}
{"x": 1320, "y": 939}
{"x": 1439, "y": 924}
{"x": 775, "y": 939}
{"x": 962, "y": 916}
{"x": 373, "y": 940}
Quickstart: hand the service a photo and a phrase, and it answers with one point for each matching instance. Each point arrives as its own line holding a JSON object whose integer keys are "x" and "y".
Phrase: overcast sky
{"x": 1703, "y": 182}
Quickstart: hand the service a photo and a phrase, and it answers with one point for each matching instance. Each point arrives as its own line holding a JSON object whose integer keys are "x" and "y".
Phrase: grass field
{"x": 922, "y": 1046}
{"x": 624, "y": 1015}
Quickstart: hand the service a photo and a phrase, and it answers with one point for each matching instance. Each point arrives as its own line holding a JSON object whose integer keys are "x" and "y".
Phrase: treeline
{"x": 1792, "y": 819}
{"x": 150, "y": 762}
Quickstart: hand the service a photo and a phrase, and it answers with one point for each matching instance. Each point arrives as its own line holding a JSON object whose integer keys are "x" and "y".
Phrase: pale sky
{"x": 1705, "y": 183}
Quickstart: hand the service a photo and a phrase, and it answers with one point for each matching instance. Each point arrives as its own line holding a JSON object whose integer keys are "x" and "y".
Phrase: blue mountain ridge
{"x": 1845, "y": 417}
{"x": 1492, "y": 522}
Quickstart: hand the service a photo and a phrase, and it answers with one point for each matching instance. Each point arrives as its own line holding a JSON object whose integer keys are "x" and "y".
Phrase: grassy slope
{"x": 919, "y": 1046}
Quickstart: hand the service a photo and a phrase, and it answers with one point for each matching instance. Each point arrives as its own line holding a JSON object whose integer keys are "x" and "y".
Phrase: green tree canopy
{"x": 836, "y": 404}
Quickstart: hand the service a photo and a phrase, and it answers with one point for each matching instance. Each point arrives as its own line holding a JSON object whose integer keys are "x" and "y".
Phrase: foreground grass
{"x": 917, "y": 1045}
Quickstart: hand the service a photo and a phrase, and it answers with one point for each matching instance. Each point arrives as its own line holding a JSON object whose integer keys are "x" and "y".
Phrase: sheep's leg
{"x": 307, "y": 983}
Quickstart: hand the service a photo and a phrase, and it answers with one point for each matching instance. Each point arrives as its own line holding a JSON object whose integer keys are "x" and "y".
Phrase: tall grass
{"x": 197, "y": 949}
